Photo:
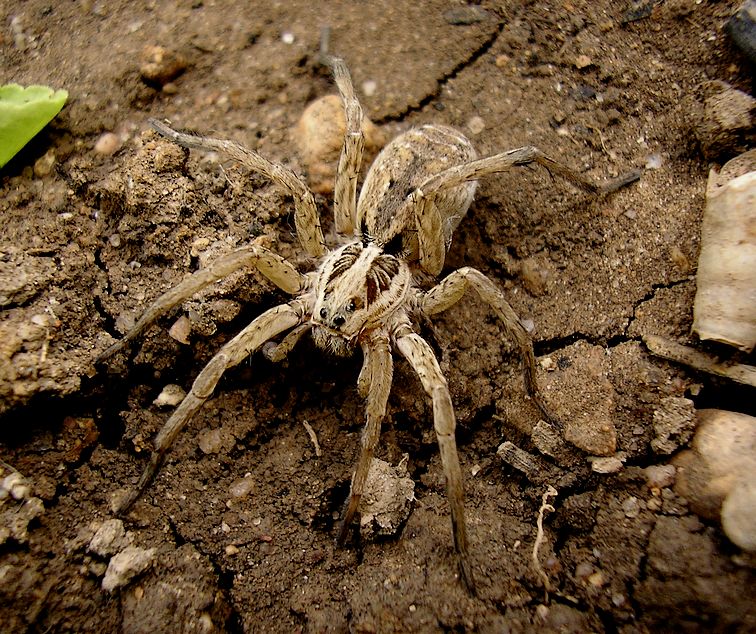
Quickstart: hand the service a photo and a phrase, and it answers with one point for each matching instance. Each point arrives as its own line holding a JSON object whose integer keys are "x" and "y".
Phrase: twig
{"x": 673, "y": 351}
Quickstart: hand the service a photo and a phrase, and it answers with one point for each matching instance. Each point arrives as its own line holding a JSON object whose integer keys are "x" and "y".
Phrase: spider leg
{"x": 305, "y": 212}
{"x": 345, "y": 189}
{"x": 450, "y": 291}
{"x": 428, "y": 219}
{"x": 263, "y": 328}
{"x": 377, "y": 371}
{"x": 271, "y": 265}
{"x": 420, "y": 356}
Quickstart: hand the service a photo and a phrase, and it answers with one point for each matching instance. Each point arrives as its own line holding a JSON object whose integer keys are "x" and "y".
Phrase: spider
{"x": 363, "y": 294}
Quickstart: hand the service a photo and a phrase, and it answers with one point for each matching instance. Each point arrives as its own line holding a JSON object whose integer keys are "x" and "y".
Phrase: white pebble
{"x": 171, "y": 396}
{"x": 210, "y": 441}
{"x": 126, "y": 565}
{"x": 108, "y": 144}
{"x": 739, "y": 515}
{"x": 606, "y": 465}
{"x": 287, "y": 37}
{"x": 109, "y": 538}
{"x": 476, "y": 125}
{"x": 241, "y": 488}
{"x": 654, "y": 162}
{"x": 369, "y": 87}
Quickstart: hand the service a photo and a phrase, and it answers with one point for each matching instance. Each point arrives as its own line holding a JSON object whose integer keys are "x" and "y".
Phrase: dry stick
{"x": 313, "y": 437}
{"x": 545, "y": 506}
{"x": 673, "y": 351}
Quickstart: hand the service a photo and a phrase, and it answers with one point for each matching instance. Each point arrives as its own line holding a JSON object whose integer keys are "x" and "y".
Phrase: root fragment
{"x": 545, "y": 506}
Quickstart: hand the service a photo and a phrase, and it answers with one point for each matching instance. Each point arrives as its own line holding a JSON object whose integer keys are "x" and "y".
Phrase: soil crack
{"x": 468, "y": 61}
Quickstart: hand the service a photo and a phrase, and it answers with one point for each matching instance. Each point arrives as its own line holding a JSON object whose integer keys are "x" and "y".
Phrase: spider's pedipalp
{"x": 263, "y": 328}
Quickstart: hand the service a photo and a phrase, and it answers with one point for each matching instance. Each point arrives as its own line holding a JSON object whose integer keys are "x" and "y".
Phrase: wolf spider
{"x": 363, "y": 293}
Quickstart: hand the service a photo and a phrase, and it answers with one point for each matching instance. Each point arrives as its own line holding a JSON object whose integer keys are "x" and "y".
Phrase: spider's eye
{"x": 353, "y": 304}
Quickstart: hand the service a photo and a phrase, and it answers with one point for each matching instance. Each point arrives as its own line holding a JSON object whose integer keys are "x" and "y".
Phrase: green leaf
{"x": 23, "y": 113}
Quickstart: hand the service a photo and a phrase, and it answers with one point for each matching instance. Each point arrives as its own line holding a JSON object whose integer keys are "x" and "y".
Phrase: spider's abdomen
{"x": 403, "y": 166}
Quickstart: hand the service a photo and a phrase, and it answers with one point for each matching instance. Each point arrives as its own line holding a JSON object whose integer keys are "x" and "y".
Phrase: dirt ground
{"x": 243, "y": 514}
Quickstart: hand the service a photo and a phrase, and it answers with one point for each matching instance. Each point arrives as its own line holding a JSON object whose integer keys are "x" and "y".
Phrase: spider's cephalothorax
{"x": 415, "y": 194}
{"x": 358, "y": 287}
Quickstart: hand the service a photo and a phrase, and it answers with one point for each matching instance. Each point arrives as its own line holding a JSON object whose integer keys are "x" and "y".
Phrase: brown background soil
{"x": 86, "y": 245}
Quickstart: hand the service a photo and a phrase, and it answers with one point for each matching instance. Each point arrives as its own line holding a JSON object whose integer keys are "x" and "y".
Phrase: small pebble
{"x": 210, "y": 441}
{"x": 109, "y": 538}
{"x": 369, "y": 87}
{"x": 583, "y": 61}
{"x": 612, "y": 464}
{"x": 242, "y": 487}
{"x": 476, "y": 125}
{"x": 43, "y": 166}
{"x": 584, "y": 570}
{"x": 161, "y": 65}
{"x": 199, "y": 245}
{"x": 115, "y": 240}
{"x": 654, "y": 162}
{"x": 232, "y": 550}
{"x": 287, "y": 37}
{"x": 108, "y": 144}
{"x": 181, "y": 329}
{"x": 126, "y": 565}
{"x": 170, "y": 396}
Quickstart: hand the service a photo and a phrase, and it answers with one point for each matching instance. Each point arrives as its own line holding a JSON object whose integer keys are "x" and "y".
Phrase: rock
{"x": 742, "y": 29}
{"x": 610, "y": 464}
{"x": 739, "y": 515}
{"x": 319, "y": 136}
{"x": 15, "y": 519}
{"x": 724, "y": 121}
{"x": 212, "y": 441}
{"x": 721, "y": 463}
{"x": 170, "y": 396}
{"x": 43, "y": 166}
{"x": 161, "y": 65}
{"x": 242, "y": 487}
{"x": 386, "y": 500}
{"x": 181, "y": 329}
{"x": 476, "y": 125}
{"x": 108, "y": 144}
{"x": 126, "y": 565}
{"x": 674, "y": 422}
{"x": 109, "y": 538}
{"x": 465, "y": 15}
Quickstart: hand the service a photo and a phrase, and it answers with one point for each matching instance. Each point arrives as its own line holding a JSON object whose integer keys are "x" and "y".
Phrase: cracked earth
{"x": 240, "y": 522}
